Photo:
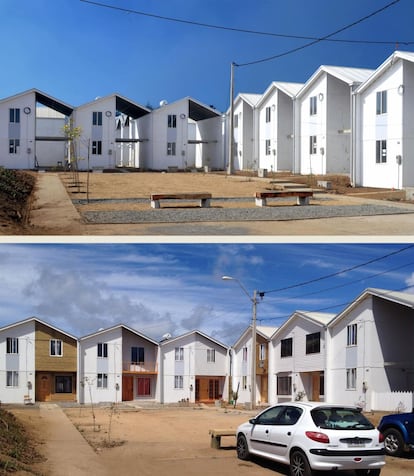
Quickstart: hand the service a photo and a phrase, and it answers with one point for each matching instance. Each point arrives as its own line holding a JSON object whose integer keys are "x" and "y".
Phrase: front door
{"x": 43, "y": 387}
{"x": 127, "y": 388}
{"x": 143, "y": 387}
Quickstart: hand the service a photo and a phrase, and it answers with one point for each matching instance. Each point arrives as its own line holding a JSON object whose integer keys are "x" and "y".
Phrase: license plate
{"x": 356, "y": 445}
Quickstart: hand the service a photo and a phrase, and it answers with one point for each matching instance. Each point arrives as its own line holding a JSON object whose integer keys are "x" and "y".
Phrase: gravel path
{"x": 193, "y": 214}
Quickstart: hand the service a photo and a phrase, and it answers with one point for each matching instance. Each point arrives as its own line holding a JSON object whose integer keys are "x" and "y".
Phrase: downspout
{"x": 161, "y": 374}
{"x": 353, "y": 137}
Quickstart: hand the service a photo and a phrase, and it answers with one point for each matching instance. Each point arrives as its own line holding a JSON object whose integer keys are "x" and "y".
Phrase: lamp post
{"x": 254, "y": 320}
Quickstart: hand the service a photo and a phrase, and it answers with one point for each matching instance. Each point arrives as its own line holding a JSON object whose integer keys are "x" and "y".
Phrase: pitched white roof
{"x": 290, "y": 89}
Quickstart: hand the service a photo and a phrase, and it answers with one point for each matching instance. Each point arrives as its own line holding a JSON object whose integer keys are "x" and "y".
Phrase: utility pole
{"x": 231, "y": 122}
{"x": 254, "y": 354}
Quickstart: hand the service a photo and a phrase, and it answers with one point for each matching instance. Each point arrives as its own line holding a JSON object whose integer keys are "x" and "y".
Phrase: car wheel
{"x": 242, "y": 448}
{"x": 368, "y": 472}
{"x": 299, "y": 465}
{"x": 393, "y": 442}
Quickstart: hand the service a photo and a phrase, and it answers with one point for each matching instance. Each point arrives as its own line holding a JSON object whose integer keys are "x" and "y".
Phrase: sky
{"x": 175, "y": 288}
{"x": 75, "y": 50}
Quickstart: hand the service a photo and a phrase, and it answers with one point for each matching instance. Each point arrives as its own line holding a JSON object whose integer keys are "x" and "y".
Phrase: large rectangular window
{"x": 286, "y": 347}
{"x": 102, "y": 381}
{"x": 14, "y": 115}
{"x": 14, "y": 145}
{"x": 381, "y": 152}
{"x": 63, "y": 384}
{"x": 102, "y": 349}
{"x": 96, "y": 147}
{"x": 381, "y": 102}
{"x": 351, "y": 375}
{"x": 171, "y": 148}
{"x": 172, "y": 121}
{"x": 284, "y": 385}
{"x": 312, "y": 145}
{"x": 97, "y": 118}
{"x": 56, "y": 347}
{"x": 313, "y": 105}
{"x": 12, "y": 378}
{"x": 178, "y": 381}
{"x": 179, "y": 353}
{"x": 313, "y": 343}
{"x": 137, "y": 355}
{"x": 211, "y": 355}
{"x": 12, "y": 345}
{"x": 352, "y": 332}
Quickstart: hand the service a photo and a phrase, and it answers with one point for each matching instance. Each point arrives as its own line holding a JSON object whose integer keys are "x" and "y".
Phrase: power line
{"x": 244, "y": 30}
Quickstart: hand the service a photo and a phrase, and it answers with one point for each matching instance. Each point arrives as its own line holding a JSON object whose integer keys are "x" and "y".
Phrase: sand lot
{"x": 149, "y": 441}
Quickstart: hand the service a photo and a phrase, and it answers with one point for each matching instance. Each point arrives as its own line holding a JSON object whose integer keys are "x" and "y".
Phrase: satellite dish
{"x": 163, "y": 103}
{"x": 166, "y": 336}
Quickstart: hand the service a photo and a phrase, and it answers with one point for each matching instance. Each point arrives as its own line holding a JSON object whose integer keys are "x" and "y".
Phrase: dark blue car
{"x": 398, "y": 431}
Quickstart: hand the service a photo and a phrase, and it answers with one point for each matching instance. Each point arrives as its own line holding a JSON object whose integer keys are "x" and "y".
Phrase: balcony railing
{"x": 140, "y": 367}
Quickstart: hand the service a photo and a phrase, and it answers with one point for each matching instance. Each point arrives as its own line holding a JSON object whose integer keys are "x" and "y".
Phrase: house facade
{"x": 195, "y": 368}
{"x": 384, "y": 142}
{"x": 276, "y": 126}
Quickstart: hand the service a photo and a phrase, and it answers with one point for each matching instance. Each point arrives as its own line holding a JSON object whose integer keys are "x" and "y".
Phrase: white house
{"x": 32, "y": 136}
{"x": 101, "y": 145}
{"x": 276, "y": 126}
{"x": 38, "y": 362}
{"x": 118, "y": 364}
{"x": 323, "y": 120}
{"x": 194, "y": 368}
{"x": 298, "y": 363}
{"x": 182, "y": 135}
{"x": 384, "y": 141}
{"x": 242, "y": 365}
{"x": 245, "y": 132}
{"x": 370, "y": 349}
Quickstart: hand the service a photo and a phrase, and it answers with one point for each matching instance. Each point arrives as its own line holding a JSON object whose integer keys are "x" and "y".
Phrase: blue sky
{"x": 76, "y": 51}
{"x": 160, "y": 288}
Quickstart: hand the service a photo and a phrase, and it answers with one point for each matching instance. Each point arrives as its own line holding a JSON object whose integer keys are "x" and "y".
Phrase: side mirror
{"x": 252, "y": 421}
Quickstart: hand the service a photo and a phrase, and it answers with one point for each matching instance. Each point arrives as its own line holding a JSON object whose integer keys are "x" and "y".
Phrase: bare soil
{"x": 167, "y": 440}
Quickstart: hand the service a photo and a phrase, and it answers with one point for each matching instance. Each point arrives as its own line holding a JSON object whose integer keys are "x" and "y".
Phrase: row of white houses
{"x": 363, "y": 355}
{"x": 343, "y": 120}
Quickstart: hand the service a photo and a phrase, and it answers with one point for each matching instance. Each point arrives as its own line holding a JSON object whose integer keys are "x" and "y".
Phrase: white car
{"x": 314, "y": 436}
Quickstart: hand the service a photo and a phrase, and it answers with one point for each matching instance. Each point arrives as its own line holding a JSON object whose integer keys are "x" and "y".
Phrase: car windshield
{"x": 340, "y": 418}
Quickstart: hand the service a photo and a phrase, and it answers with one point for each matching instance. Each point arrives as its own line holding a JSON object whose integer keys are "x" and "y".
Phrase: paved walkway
{"x": 67, "y": 452}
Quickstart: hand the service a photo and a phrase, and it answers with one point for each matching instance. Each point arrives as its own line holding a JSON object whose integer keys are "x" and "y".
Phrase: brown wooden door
{"x": 43, "y": 387}
{"x": 143, "y": 387}
{"x": 315, "y": 386}
{"x": 127, "y": 388}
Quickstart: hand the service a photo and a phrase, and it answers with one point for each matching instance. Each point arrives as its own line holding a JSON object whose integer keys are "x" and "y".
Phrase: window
{"x": 102, "y": 349}
{"x": 268, "y": 114}
{"x": 137, "y": 355}
{"x": 14, "y": 145}
{"x": 381, "y": 102}
{"x": 267, "y": 147}
{"x": 14, "y": 115}
{"x": 97, "y": 118}
{"x": 313, "y": 343}
{"x": 179, "y": 353}
{"x": 284, "y": 385}
{"x": 286, "y": 347}
{"x": 351, "y": 338}
{"x": 12, "y": 378}
{"x": 56, "y": 347}
{"x": 236, "y": 120}
{"x": 244, "y": 382}
{"x": 172, "y": 121}
{"x": 178, "y": 381}
{"x": 96, "y": 147}
{"x": 12, "y": 345}
{"x": 381, "y": 152}
{"x": 170, "y": 148}
{"x": 244, "y": 354}
{"x": 262, "y": 352}
{"x": 313, "y": 105}
{"x": 102, "y": 381}
{"x": 312, "y": 145}
{"x": 63, "y": 384}
{"x": 211, "y": 355}
{"x": 351, "y": 379}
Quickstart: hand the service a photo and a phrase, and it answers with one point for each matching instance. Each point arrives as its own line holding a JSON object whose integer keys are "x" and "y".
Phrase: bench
{"x": 203, "y": 197}
{"x": 216, "y": 437}
{"x": 302, "y": 195}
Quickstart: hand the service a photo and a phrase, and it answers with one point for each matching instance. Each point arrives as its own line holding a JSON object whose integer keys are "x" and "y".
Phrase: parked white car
{"x": 314, "y": 436}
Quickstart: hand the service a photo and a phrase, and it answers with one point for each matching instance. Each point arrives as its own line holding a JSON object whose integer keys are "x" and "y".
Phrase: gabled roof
{"x": 39, "y": 321}
{"x": 122, "y": 104}
{"x": 188, "y": 334}
{"x": 119, "y": 326}
{"x": 46, "y": 100}
{"x": 404, "y": 299}
{"x": 197, "y": 111}
{"x": 350, "y": 76}
{"x": 249, "y": 99}
{"x": 387, "y": 64}
{"x": 290, "y": 89}
{"x": 264, "y": 331}
{"x": 320, "y": 318}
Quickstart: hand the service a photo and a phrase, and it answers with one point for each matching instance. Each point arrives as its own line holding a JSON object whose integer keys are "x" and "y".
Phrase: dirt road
{"x": 148, "y": 441}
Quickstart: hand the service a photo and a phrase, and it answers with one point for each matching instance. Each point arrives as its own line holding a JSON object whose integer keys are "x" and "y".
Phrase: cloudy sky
{"x": 172, "y": 288}
{"x": 76, "y": 50}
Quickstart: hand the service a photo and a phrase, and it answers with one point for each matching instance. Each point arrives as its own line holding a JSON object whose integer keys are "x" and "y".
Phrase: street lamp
{"x": 254, "y": 319}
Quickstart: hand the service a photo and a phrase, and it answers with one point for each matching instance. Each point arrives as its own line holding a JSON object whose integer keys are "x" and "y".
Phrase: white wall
{"x": 243, "y": 369}
{"x": 212, "y": 153}
{"x": 50, "y": 123}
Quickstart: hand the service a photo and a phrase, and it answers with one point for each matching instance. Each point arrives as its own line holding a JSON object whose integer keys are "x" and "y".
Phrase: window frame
{"x": 268, "y": 114}
{"x": 97, "y": 118}
{"x": 96, "y": 147}
{"x": 351, "y": 378}
{"x": 14, "y": 146}
{"x": 284, "y": 385}
{"x": 53, "y": 346}
{"x": 172, "y": 121}
{"x": 286, "y": 347}
{"x": 179, "y": 354}
{"x": 65, "y": 378}
{"x": 171, "y": 149}
{"x": 313, "y": 105}
{"x": 313, "y": 145}
{"x": 102, "y": 350}
{"x": 211, "y": 356}
{"x": 140, "y": 354}
{"x": 313, "y": 343}
{"x": 14, "y": 115}
{"x": 178, "y": 382}
{"x": 268, "y": 149}
{"x": 352, "y": 335}
{"x": 12, "y": 345}
{"x": 381, "y": 102}
{"x": 102, "y": 380}
{"x": 12, "y": 378}
{"x": 380, "y": 147}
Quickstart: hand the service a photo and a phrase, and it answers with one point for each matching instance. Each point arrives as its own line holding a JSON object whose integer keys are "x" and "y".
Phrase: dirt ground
{"x": 153, "y": 441}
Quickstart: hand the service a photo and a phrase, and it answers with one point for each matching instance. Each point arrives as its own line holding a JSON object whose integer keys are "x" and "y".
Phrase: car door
{"x": 260, "y": 438}
{"x": 283, "y": 431}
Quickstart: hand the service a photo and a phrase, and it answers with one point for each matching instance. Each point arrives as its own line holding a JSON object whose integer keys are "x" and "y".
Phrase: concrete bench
{"x": 203, "y": 197}
{"x": 216, "y": 437}
{"x": 302, "y": 195}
